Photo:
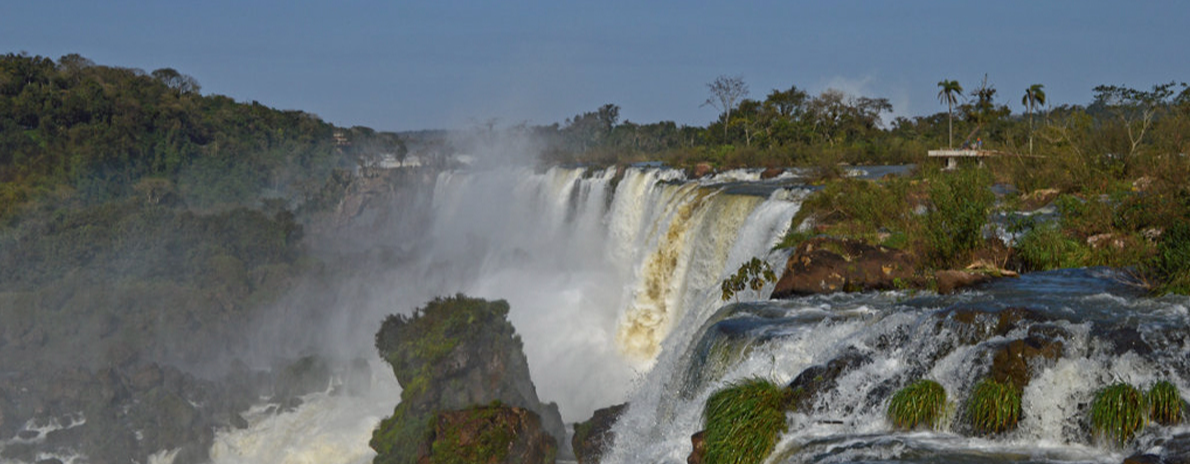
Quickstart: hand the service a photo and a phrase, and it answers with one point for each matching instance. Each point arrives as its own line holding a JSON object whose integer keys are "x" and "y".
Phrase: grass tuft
{"x": 1118, "y": 412}
{"x": 1165, "y": 403}
{"x": 922, "y": 403}
{"x": 743, "y": 422}
{"x": 994, "y": 407}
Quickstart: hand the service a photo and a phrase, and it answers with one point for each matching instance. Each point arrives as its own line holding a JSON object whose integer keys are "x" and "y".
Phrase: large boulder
{"x": 454, "y": 354}
{"x": 488, "y": 434}
{"x": 825, "y": 265}
{"x": 592, "y": 437}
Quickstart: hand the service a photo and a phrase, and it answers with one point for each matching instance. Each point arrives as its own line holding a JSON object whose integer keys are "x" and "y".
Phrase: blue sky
{"x": 419, "y": 65}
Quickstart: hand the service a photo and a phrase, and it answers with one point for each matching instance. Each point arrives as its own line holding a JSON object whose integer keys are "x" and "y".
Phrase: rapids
{"x": 613, "y": 282}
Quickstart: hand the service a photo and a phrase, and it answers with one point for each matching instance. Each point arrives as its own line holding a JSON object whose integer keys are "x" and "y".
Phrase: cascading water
{"x": 601, "y": 270}
{"x": 613, "y": 282}
{"x": 1105, "y": 332}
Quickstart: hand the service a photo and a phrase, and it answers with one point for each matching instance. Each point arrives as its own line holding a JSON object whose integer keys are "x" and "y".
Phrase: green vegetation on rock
{"x": 994, "y": 407}
{"x": 960, "y": 203}
{"x": 453, "y": 354}
{"x": 1165, "y": 403}
{"x": 743, "y": 422}
{"x": 1118, "y": 413}
{"x": 922, "y": 403}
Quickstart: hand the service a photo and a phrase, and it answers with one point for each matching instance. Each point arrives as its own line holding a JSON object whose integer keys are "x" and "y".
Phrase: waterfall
{"x": 1108, "y": 333}
{"x": 601, "y": 268}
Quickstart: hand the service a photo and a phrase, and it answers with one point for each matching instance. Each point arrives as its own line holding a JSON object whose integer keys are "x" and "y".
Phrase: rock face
{"x": 770, "y": 173}
{"x": 592, "y": 437}
{"x": 822, "y": 378}
{"x": 489, "y": 434}
{"x": 698, "y": 446}
{"x": 824, "y": 265}
{"x": 454, "y": 354}
{"x": 952, "y": 280}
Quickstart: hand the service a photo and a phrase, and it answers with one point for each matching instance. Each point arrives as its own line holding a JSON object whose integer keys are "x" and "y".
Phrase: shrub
{"x": 960, "y": 203}
{"x": 1172, "y": 263}
{"x": 918, "y": 404}
{"x": 1045, "y": 247}
{"x": 1118, "y": 412}
{"x": 994, "y": 407}
{"x": 743, "y": 422}
{"x": 1165, "y": 403}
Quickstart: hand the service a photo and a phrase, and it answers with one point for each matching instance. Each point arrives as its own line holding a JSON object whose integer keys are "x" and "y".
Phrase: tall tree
{"x": 949, "y": 94}
{"x": 1034, "y": 97}
{"x": 726, "y": 93}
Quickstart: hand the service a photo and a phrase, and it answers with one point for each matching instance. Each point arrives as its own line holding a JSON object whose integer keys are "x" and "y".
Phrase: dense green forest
{"x": 134, "y": 204}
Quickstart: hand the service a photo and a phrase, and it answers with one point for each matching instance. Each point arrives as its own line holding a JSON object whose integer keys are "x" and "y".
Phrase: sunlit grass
{"x": 1165, "y": 403}
{"x": 1118, "y": 412}
{"x": 994, "y": 407}
{"x": 922, "y": 403}
{"x": 743, "y": 422}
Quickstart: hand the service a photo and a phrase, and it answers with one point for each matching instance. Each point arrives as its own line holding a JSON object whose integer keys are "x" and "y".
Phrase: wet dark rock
{"x": 973, "y": 326}
{"x": 698, "y": 444}
{"x": 306, "y": 375}
{"x": 145, "y": 378}
{"x": 20, "y": 452}
{"x": 290, "y": 404}
{"x": 1122, "y": 340}
{"x": 823, "y": 378}
{"x": 952, "y": 280}
{"x": 1177, "y": 449}
{"x": 1016, "y": 361}
{"x": 593, "y": 437}
{"x": 770, "y": 173}
{"x": 1144, "y": 458}
{"x": 488, "y": 434}
{"x": 825, "y": 265}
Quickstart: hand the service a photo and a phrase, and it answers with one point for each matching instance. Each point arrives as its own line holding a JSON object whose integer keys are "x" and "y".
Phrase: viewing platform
{"x": 952, "y": 155}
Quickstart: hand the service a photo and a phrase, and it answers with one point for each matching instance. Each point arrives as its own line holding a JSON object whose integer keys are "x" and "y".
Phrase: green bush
{"x": 743, "y": 422}
{"x": 1172, "y": 263}
{"x": 994, "y": 407}
{"x": 954, "y": 224}
{"x": 1118, "y": 412}
{"x": 1045, "y": 247}
{"x": 1165, "y": 403}
{"x": 922, "y": 403}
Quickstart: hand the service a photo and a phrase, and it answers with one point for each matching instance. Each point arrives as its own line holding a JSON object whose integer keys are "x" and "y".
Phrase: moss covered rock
{"x": 825, "y": 265}
{"x": 453, "y": 354}
{"x": 489, "y": 434}
{"x": 592, "y": 437}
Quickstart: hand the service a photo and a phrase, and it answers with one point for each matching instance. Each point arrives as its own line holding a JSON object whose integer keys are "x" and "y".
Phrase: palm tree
{"x": 949, "y": 95}
{"x": 1033, "y": 98}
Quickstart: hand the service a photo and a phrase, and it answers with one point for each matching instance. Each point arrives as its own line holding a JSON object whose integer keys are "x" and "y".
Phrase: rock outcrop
{"x": 454, "y": 354}
{"x": 824, "y": 265}
{"x": 489, "y": 434}
{"x": 593, "y": 437}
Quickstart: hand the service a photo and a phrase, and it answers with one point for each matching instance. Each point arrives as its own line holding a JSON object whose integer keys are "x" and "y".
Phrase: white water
{"x": 846, "y": 424}
{"x": 597, "y": 288}
{"x": 612, "y": 290}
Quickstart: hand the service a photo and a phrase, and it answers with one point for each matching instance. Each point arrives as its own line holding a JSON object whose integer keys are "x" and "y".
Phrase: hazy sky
{"x": 418, "y": 65}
